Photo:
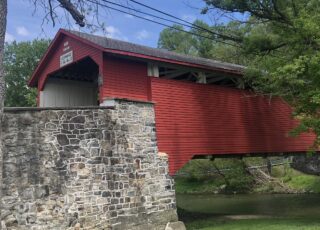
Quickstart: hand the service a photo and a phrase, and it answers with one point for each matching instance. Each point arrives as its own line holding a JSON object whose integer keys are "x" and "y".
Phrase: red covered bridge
{"x": 200, "y": 105}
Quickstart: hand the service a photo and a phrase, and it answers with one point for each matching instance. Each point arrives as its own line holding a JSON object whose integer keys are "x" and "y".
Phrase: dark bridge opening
{"x": 73, "y": 85}
{"x": 198, "y": 76}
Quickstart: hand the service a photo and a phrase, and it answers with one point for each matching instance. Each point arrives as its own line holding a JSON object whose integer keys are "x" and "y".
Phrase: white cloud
{"x": 143, "y": 34}
{"x": 189, "y": 17}
{"x": 22, "y": 31}
{"x": 9, "y": 37}
{"x": 113, "y": 32}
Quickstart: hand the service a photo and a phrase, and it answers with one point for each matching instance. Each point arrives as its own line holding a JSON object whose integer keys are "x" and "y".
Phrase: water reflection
{"x": 267, "y": 205}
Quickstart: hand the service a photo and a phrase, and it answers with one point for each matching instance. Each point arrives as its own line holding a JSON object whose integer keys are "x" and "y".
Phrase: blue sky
{"x": 25, "y": 24}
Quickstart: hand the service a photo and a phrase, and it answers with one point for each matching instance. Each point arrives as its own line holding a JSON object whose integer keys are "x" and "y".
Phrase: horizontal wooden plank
{"x": 194, "y": 119}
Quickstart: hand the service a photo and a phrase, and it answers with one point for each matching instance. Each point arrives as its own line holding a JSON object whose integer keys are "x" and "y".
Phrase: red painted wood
{"x": 123, "y": 78}
{"x": 56, "y": 48}
{"x": 194, "y": 119}
{"x": 236, "y": 73}
{"x": 79, "y": 49}
{"x": 87, "y": 44}
{"x": 191, "y": 119}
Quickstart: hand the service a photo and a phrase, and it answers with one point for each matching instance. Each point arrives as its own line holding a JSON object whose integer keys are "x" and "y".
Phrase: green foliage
{"x": 238, "y": 179}
{"x": 191, "y": 186}
{"x": 279, "y": 42}
{"x": 297, "y": 180}
{"x": 307, "y": 183}
{"x": 231, "y": 176}
{"x": 172, "y": 39}
{"x": 19, "y": 62}
{"x": 220, "y": 175}
{"x": 181, "y": 42}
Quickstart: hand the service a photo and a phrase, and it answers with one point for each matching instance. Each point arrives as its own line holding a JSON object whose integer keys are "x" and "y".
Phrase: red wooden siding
{"x": 80, "y": 51}
{"x": 124, "y": 78}
{"x": 191, "y": 119}
{"x": 194, "y": 119}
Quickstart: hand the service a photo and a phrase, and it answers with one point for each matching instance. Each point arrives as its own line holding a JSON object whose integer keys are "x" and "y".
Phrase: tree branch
{"x": 76, "y": 15}
{"x": 272, "y": 48}
{"x": 51, "y": 13}
{"x": 278, "y": 11}
{"x": 268, "y": 11}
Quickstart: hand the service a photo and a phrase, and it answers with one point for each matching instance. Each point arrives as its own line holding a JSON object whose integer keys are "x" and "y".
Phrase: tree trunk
{"x": 3, "y": 25}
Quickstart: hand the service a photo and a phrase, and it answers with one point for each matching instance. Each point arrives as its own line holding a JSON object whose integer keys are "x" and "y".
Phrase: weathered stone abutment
{"x": 84, "y": 168}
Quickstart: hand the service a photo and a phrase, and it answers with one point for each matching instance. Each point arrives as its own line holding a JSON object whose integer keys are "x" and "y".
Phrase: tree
{"x": 49, "y": 6}
{"x": 76, "y": 8}
{"x": 279, "y": 43}
{"x": 3, "y": 24}
{"x": 229, "y": 174}
{"x": 20, "y": 59}
{"x": 282, "y": 40}
{"x": 175, "y": 40}
{"x": 205, "y": 45}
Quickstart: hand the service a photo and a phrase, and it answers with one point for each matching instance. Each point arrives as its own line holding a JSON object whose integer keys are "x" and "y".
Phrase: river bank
{"x": 239, "y": 180}
{"x": 234, "y": 194}
{"x": 251, "y": 211}
{"x": 215, "y": 223}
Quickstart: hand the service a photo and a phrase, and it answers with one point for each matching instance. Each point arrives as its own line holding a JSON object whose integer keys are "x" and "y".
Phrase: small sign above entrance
{"x": 66, "y": 58}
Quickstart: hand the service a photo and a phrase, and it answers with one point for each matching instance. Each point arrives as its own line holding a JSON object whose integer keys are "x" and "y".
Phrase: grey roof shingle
{"x": 114, "y": 44}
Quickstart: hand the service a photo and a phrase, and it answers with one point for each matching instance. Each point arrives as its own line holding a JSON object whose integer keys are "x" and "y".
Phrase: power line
{"x": 222, "y": 36}
{"x": 152, "y": 15}
{"x": 159, "y": 11}
{"x": 185, "y": 21}
{"x": 159, "y": 23}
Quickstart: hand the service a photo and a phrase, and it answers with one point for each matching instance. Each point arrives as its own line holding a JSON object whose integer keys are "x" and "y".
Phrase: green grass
{"x": 297, "y": 181}
{"x": 197, "y": 186}
{"x": 305, "y": 182}
{"x": 254, "y": 224}
{"x": 200, "y": 180}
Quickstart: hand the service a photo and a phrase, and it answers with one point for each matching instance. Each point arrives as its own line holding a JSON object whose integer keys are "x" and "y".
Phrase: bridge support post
{"x": 85, "y": 168}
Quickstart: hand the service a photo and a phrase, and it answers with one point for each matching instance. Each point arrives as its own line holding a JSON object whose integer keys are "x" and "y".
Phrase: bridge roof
{"x": 115, "y": 44}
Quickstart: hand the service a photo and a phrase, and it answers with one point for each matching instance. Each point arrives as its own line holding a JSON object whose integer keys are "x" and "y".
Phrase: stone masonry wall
{"x": 85, "y": 169}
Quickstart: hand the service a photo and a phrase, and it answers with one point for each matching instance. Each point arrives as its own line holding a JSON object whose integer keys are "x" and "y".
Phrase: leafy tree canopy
{"x": 175, "y": 39}
{"x": 284, "y": 38}
{"x": 20, "y": 60}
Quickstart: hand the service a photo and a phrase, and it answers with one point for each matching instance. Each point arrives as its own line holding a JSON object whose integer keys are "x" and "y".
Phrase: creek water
{"x": 286, "y": 205}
